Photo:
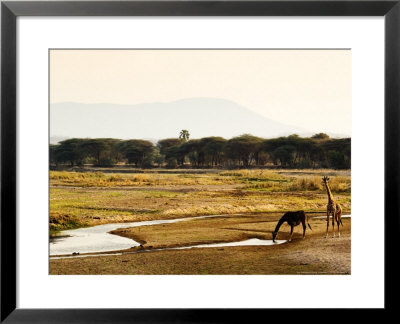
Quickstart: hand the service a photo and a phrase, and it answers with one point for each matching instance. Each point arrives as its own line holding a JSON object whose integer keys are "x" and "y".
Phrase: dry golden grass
{"x": 337, "y": 184}
{"x": 257, "y": 174}
{"x": 294, "y": 180}
{"x": 99, "y": 179}
{"x": 91, "y": 198}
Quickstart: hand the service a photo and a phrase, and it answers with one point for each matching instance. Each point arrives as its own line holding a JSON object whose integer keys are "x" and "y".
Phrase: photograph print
{"x": 199, "y": 162}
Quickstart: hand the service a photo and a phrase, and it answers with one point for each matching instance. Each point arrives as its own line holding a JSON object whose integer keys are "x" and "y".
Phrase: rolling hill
{"x": 201, "y": 116}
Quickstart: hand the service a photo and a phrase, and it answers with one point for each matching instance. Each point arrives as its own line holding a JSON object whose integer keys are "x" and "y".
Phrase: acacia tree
{"x": 98, "y": 149}
{"x": 167, "y": 143}
{"x": 137, "y": 151}
{"x": 112, "y": 154}
{"x": 69, "y": 150}
{"x": 192, "y": 149}
{"x": 337, "y": 152}
{"x": 157, "y": 157}
{"x": 169, "y": 149}
{"x": 244, "y": 149}
{"x": 213, "y": 148}
{"x": 53, "y": 154}
{"x": 320, "y": 136}
{"x": 285, "y": 155}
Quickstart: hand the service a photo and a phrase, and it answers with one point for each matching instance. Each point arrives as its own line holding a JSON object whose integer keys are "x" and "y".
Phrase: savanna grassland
{"x": 251, "y": 201}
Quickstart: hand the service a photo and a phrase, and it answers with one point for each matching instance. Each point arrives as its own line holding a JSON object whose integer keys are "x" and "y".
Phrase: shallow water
{"x": 250, "y": 242}
{"x": 330, "y": 217}
{"x": 98, "y": 239}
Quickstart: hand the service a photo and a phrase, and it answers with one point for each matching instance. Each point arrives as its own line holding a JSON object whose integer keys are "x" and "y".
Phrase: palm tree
{"x": 184, "y": 135}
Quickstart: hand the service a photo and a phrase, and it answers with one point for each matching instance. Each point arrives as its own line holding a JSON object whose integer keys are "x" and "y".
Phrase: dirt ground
{"x": 252, "y": 201}
{"x": 312, "y": 255}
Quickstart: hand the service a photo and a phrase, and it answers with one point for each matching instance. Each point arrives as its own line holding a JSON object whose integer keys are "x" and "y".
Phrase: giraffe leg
{"x": 333, "y": 226}
{"x": 327, "y": 225}
{"x": 291, "y": 233}
{"x": 339, "y": 218}
{"x": 304, "y": 229}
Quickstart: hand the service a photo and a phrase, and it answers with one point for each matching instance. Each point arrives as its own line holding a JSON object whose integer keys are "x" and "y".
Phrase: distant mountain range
{"x": 200, "y": 116}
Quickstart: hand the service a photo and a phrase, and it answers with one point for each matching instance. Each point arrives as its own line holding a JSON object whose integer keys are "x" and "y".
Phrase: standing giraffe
{"x": 332, "y": 208}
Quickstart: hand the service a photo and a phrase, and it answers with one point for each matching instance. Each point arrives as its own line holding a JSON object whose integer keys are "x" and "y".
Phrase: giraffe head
{"x": 325, "y": 180}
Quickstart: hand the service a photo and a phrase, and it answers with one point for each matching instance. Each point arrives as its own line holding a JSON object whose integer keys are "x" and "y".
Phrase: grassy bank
{"x": 90, "y": 198}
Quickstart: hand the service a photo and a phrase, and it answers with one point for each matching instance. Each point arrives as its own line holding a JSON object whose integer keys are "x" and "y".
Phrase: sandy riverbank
{"x": 313, "y": 255}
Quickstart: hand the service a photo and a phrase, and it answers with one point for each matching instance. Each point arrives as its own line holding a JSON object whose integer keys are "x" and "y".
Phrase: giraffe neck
{"x": 328, "y": 190}
{"x": 281, "y": 221}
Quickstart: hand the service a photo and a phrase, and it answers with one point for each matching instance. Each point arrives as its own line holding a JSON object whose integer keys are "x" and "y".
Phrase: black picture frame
{"x": 10, "y": 10}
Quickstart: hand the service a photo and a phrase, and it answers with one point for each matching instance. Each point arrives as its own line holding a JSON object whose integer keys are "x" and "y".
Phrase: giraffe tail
{"x": 341, "y": 221}
{"x": 309, "y": 226}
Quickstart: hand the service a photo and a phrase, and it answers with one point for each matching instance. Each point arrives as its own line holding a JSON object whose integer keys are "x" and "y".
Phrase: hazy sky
{"x": 310, "y": 89}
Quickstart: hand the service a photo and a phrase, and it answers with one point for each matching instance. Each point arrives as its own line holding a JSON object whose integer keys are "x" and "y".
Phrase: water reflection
{"x": 249, "y": 242}
{"x": 98, "y": 239}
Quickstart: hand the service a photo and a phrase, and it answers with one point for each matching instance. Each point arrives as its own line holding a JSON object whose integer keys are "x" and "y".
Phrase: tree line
{"x": 318, "y": 151}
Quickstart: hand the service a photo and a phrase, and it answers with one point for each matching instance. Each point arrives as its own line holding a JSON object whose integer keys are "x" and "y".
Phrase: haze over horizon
{"x": 262, "y": 92}
{"x": 201, "y": 116}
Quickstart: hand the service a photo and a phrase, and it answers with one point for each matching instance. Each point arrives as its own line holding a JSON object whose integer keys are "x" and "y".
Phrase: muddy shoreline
{"x": 312, "y": 255}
